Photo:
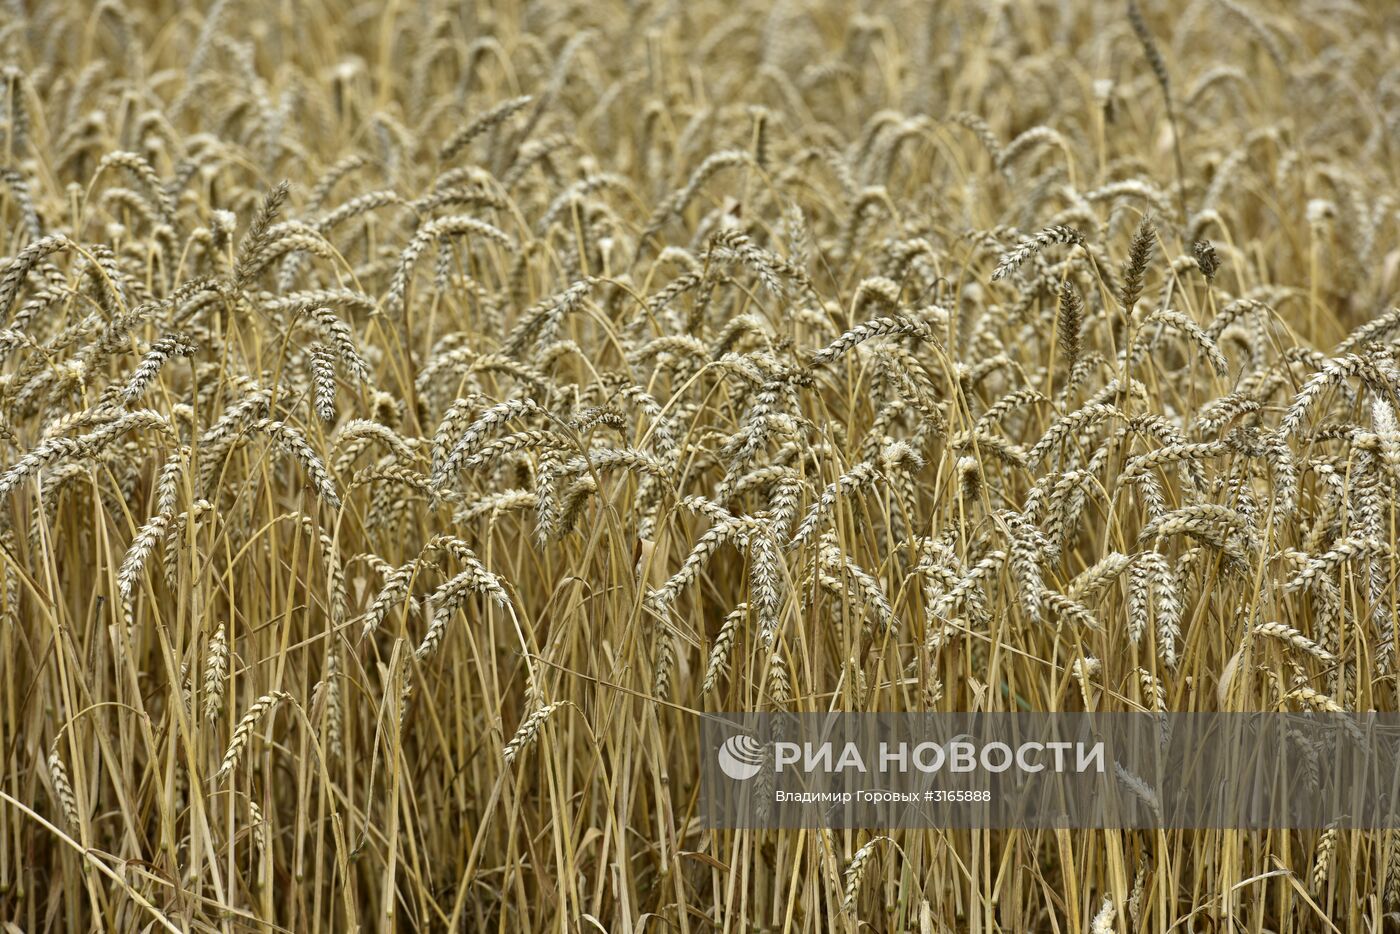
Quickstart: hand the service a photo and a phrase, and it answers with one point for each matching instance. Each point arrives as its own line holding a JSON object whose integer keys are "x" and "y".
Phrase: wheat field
{"x": 414, "y": 412}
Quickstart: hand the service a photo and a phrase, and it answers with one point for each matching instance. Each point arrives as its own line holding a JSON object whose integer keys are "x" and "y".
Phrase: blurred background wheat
{"x": 413, "y": 412}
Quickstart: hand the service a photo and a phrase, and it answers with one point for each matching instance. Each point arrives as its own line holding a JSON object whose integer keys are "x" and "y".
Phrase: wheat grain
{"x": 855, "y": 871}
{"x": 1032, "y": 245}
{"x": 1293, "y": 637}
{"x": 1103, "y": 920}
{"x": 243, "y": 732}
{"x": 323, "y": 382}
{"x": 1322, "y": 859}
{"x": 215, "y": 671}
{"x": 63, "y": 789}
{"x": 529, "y": 730}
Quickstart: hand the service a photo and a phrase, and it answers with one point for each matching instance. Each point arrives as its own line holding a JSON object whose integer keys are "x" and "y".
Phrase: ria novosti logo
{"x": 741, "y": 757}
